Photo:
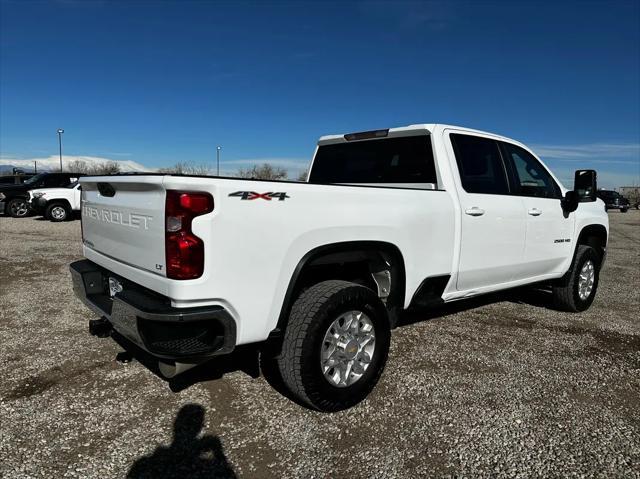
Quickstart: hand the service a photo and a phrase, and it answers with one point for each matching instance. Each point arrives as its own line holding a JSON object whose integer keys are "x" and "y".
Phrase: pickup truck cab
{"x": 613, "y": 200}
{"x": 189, "y": 267}
{"x": 55, "y": 204}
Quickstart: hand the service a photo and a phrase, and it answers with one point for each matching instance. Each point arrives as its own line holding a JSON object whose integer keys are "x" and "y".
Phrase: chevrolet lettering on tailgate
{"x": 131, "y": 220}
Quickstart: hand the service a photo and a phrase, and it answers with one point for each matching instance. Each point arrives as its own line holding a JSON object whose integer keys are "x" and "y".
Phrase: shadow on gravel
{"x": 75, "y": 215}
{"x": 244, "y": 358}
{"x": 45, "y": 380}
{"x": 188, "y": 455}
{"x": 249, "y": 360}
{"x": 539, "y": 297}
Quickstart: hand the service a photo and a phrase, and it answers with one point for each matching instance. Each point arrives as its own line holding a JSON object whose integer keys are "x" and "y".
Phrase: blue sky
{"x": 161, "y": 82}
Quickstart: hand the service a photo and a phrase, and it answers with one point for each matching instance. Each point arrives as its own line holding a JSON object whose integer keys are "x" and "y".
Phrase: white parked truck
{"x": 55, "y": 204}
{"x": 189, "y": 267}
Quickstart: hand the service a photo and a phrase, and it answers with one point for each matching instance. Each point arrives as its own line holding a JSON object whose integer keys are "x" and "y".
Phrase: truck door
{"x": 549, "y": 231}
{"x": 492, "y": 221}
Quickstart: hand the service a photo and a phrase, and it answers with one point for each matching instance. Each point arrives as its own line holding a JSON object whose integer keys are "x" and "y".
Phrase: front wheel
{"x": 57, "y": 212}
{"x": 335, "y": 345}
{"x": 576, "y": 291}
{"x": 623, "y": 210}
{"x": 18, "y": 208}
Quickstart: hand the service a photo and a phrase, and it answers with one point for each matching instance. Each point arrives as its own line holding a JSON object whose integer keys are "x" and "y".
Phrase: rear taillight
{"x": 184, "y": 250}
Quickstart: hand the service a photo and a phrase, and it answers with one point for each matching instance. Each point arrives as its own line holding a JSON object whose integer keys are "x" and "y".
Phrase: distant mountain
{"x": 52, "y": 163}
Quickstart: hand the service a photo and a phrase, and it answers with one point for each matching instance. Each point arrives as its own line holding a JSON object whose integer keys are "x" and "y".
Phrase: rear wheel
{"x": 623, "y": 210}
{"x": 335, "y": 345}
{"x": 576, "y": 291}
{"x": 57, "y": 212}
{"x": 18, "y": 208}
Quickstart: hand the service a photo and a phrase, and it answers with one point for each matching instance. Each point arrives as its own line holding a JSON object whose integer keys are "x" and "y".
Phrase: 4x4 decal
{"x": 252, "y": 195}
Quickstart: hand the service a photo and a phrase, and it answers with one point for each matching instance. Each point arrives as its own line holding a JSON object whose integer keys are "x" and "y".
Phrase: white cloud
{"x": 617, "y": 164}
{"x": 594, "y": 152}
{"x": 606, "y": 179}
{"x": 293, "y": 166}
{"x": 52, "y": 163}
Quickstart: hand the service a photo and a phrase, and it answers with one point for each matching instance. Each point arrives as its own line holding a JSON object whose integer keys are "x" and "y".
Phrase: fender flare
{"x": 397, "y": 293}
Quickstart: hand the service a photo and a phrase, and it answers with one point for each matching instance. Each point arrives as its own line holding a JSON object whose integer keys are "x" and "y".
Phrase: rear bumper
{"x": 148, "y": 319}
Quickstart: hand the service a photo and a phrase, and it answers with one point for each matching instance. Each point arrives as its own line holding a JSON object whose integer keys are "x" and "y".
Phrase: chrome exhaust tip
{"x": 171, "y": 370}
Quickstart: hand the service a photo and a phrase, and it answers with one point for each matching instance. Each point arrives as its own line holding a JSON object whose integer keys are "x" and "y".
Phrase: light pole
{"x": 218, "y": 148}
{"x": 60, "y": 132}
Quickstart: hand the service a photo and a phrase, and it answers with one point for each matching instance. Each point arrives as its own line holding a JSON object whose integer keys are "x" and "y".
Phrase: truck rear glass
{"x": 407, "y": 159}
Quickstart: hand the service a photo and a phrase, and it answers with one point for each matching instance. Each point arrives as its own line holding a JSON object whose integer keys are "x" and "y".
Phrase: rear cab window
{"x": 396, "y": 161}
{"x": 480, "y": 165}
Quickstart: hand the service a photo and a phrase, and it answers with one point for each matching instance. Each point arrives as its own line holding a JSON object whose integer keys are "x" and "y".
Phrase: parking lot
{"x": 500, "y": 386}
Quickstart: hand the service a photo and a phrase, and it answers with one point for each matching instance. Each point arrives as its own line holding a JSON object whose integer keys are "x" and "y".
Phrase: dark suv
{"x": 13, "y": 198}
{"x": 613, "y": 200}
{"x": 14, "y": 179}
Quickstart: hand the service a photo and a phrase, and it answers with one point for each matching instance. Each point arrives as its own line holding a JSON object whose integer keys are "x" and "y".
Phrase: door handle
{"x": 535, "y": 212}
{"x": 475, "y": 211}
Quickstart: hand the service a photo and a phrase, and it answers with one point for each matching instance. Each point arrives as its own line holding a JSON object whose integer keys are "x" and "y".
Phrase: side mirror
{"x": 585, "y": 185}
{"x": 585, "y": 188}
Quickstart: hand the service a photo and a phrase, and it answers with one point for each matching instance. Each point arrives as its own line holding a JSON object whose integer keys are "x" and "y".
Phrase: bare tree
{"x": 76, "y": 166}
{"x": 107, "y": 168}
{"x": 185, "y": 168}
{"x": 103, "y": 168}
{"x": 265, "y": 171}
{"x": 303, "y": 176}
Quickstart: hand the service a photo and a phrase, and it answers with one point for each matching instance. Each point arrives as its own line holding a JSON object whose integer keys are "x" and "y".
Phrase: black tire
{"x": 566, "y": 292}
{"x": 311, "y": 316}
{"x": 623, "y": 210}
{"x": 17, "y": 208}
{"x": 57, "y": 212}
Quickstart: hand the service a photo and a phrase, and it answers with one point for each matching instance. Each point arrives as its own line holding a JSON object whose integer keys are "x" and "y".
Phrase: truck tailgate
{"x": 123, "y": 218}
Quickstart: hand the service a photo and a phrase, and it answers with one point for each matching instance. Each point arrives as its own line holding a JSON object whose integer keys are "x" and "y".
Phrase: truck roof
{"x": 405, "y": 131}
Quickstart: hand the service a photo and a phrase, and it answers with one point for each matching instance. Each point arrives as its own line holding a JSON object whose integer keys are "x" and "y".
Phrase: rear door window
{"x": 480, "y": 165}
{"x": 406, "y": 159}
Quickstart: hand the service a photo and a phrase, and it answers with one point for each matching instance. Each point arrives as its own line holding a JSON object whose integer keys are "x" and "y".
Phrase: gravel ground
{"x": 501, "y": 386}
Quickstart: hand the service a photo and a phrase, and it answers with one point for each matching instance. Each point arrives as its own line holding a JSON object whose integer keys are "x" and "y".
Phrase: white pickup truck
{"x": 55, "y": 204}
{"x": 189, "y": 267}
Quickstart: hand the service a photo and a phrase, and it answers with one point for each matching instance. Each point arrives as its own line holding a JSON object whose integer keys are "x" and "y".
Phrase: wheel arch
{"x": 594, "y": 235}
{"x": 335, "y": 255}
{"x": 59, "y": 201}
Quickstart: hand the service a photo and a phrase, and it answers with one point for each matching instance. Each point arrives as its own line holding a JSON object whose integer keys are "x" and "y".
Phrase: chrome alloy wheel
{"x": 58, "y": 213}
{"x": 586, "y": 280}
{"x": 19, "y": 208}
{"x": 347, "y": 348}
